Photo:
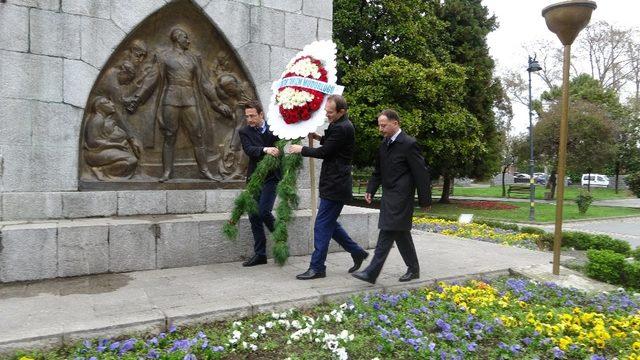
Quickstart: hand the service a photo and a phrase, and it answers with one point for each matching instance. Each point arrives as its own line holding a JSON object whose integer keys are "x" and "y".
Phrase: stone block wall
{"x": 62, "y": 248}
{"x": 51, "y": 52}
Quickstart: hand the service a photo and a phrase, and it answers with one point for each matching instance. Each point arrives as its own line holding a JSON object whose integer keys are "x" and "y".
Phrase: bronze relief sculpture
{"x": 169, "y": 103}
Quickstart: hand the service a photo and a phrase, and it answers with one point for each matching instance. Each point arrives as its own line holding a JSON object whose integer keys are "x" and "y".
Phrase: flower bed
{"x": 484, "y": 205}
{"x": 480, "y": 232}
{"x": 509, "y": 318}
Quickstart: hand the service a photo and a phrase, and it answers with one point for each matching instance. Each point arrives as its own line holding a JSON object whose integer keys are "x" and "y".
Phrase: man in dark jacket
{"x": 400, "y": 168}
{"x": 257, "y": 140}
{"x": 337, "y": 148}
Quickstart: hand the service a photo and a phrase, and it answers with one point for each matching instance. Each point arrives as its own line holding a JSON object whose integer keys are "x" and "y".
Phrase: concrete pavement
{"x": 627, "y": 229}
{"x": 61, "y": 311}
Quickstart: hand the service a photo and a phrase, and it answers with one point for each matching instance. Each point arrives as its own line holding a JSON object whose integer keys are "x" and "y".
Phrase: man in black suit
{"x": 400, "y": 168}
{"x": 257, "y": 140}
{"x": 337, "y": 148}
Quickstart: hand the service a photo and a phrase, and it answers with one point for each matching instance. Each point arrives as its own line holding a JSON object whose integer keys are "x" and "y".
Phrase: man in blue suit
{"x": 336, "y": 152}
{"x": 257, "y": 141}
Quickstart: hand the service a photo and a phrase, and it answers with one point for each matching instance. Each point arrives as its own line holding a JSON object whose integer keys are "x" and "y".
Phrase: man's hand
{"x": 367, "y": 198}
{"x": 315, "y": 136}
{"x": 295, "y": 149}
{"x": 273, "y": 151}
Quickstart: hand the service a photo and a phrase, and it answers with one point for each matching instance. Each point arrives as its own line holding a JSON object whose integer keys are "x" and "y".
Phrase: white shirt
{"x": 393, "y": 138}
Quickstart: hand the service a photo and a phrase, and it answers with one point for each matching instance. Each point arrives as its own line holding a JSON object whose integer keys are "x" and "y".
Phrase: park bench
{"x": 518, "y": 189}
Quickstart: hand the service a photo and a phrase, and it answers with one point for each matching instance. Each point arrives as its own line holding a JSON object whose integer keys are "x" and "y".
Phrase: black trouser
{"x": 385, "y": 241}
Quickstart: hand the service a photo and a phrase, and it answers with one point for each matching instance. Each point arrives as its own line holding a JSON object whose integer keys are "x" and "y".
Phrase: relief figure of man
{"x": 183, "y": 94}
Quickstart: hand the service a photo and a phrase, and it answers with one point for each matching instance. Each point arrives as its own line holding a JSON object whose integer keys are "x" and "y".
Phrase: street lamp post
{"x": 565, "y": 19}
{"x": 533, "y": 66}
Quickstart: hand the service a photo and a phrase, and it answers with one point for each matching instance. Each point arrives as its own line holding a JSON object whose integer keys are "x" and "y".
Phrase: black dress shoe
{"x": 410, "y": 275}
{"x": 311, "y": 274}
{"x": 361, "y": 275}
{"x": 357, "y": 261}
{"x": 255, "y": 260}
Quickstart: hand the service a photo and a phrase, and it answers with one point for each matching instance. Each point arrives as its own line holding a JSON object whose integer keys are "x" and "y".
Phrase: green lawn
{"x": 570, "y": 193}
{"x": 544, "y": 212}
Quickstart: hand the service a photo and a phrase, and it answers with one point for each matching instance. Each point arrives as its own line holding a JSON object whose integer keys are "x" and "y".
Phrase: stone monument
{"x": 102, "y": 99}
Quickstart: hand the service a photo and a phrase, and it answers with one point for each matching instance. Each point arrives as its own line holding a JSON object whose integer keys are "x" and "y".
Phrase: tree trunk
{"x": 446, "y": 189}
{"x": 552, "y": 183}
{"x": 504, "y": 188}
{"x": 617, "y": 174}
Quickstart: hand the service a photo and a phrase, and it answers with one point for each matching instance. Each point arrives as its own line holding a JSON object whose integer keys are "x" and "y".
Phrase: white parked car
{"x": 521, "y": 178}
{"x": 594, "y": 180}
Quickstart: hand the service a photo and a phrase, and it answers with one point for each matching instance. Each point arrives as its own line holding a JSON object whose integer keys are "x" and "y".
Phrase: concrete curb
{"x": 159, "y": 321}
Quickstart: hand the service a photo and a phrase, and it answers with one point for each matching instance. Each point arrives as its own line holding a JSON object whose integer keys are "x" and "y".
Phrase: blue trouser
{"x": 327, "y": 227}
{"x": 264, "y": 217}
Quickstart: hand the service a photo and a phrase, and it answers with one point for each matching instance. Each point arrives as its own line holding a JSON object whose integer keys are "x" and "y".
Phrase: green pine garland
{"x": 289, "y": 199}
{"x": 246, "y": 201}
{"x": 286, "y": 191}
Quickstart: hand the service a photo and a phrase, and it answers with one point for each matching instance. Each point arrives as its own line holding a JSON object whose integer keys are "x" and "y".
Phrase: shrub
{"x": 605, "y": 265}
{"x": 584, "y": 200}
{"x": 632, "y": 274}
{"x": 576, "y": 240}
{"x": 633, "y": 180}
{"x": 546, "y": 241}
{"x": 636, "y": 253}
{"x": 584, "y": 241}
{"x": 605, "y": 242}
{"x": 532, "y": 230}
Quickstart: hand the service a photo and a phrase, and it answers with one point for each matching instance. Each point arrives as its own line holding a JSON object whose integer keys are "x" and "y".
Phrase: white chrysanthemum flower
{"x": 253, "y": 347}
{"x": 236, "y": 334}
{"x": 344, "y": 334}
{"x": 296, "y": 324}
{"x": 254, "y": 335}
{"x": 275, "y": 315}
{"x": 236, "y": 324}
{"x": 289, "y": 98}
{"x": 304, "y": 68}
{"x": 326, "y": 318}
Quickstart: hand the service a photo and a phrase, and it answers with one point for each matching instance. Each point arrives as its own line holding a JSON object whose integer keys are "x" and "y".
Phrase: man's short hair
{"x": 390, "y": 114}
{"x": 253, "y": 104}
{"x": 341, "y": 103}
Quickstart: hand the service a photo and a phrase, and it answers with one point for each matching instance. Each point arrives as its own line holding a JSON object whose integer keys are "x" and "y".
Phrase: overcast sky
{"x": 521, "y": 21}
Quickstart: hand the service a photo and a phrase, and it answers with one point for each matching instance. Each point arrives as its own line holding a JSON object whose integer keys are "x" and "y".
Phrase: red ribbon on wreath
{"x": 304, "y": 112}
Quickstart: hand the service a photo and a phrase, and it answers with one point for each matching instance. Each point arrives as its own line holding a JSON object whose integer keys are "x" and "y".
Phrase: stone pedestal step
{"x": 61, "y": 248}
{"x": 87, "y": 204}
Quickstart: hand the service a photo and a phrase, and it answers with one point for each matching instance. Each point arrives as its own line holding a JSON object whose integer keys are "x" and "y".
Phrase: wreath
{"x": 297, "y": 103}
{"x": 293, "y": 113}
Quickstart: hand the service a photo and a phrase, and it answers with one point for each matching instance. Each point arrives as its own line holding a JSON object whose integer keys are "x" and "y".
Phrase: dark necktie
{"x": 387, "y": 141}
